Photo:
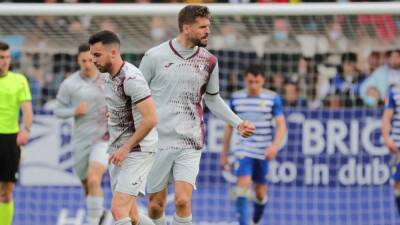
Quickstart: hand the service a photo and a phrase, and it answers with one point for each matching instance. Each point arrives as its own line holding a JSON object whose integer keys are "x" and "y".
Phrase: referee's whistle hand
{"x": 22, "y": 137}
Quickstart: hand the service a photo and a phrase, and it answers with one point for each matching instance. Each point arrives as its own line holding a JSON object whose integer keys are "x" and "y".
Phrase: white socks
{"x": 124, "y": 221}
{"x": 182, "y": 220}
{"x": 94, "y": 206}
{"x": 160, "y": 221}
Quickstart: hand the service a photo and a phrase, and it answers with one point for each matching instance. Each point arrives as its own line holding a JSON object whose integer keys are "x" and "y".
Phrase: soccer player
{"x": 131, "y": 123}
{"x": 263, "y": 108}
{"x": 391, "y": 135}
{"x": 81, "y": 96}
{"x": 14, "y": 95}
{"x": 181, "y": 73}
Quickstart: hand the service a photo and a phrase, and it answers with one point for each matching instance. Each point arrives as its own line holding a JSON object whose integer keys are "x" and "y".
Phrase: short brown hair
{"x": 83, "y": 48}
{"x": 189, "y": 13}
{"x": 4, "y": 46}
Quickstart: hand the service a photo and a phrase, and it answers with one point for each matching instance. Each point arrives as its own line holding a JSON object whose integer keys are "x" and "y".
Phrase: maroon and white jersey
{"x": 178, "y": 79}
{"x": 122, "y": 93}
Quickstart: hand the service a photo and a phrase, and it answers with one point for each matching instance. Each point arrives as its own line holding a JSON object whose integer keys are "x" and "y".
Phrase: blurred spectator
{"x": 277, "y": 83}
{"x": 336, "y": 41}
{"x": 282, "y": 40}
{"x": 291, "y": 96}
{"x": 373, "y": 98}
{"x": 374, "y": 61}
{"x": 158, "y": 29}
{"x": 384, "y": 76}
{"x": 332, "y": 101}
{"x": 348, "y": 81}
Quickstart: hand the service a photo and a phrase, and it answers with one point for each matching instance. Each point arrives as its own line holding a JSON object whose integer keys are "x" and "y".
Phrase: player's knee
{"x": 182, "y": 202}
{"x": 118, "y": 212}
{"x": 134, "y": 218}
{"x": 156, "y": 208}
{"x": 93, "y": 181}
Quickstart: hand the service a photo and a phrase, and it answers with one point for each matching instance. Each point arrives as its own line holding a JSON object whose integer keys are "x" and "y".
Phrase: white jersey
{"x": 178, "y": 79}
{"x": 122, "y": 92}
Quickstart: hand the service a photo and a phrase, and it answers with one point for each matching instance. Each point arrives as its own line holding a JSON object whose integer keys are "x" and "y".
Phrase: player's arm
{"x": 136, "y": 87}
{"x": 27, "y": 114}
{"x": 220, "y": 109}
{"x": 225, "y": 145}
{"x": 147, "y": 67}
{"x": 281, "y": 129}
{"x": 386, "y": 124}
{"x": 64, "y": 108}
{"x": 147, "y": 110}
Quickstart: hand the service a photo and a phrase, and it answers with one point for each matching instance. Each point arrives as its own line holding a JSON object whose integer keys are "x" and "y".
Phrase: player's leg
{"x": 9, "y": 162}
{"x": 185, "y": 171}
{"x": 242, "y": 190}
{"x": 130, "y": 181}
{"x": 157, "y": 182}
{"x": 6, "y": 203}
{"x": 157, "y": 203}
{"x": 98, "y": 162}
{"x": 397, "y": 193}
{"x": 260, "y": 172}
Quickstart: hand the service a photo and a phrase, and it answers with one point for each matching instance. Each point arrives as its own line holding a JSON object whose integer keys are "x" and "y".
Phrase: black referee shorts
{"x": 10, "y": 154}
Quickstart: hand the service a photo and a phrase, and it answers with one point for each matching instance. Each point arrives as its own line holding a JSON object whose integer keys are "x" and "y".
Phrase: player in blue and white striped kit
{"x": 391, "y": 135}
{"x": 263, "y": 108}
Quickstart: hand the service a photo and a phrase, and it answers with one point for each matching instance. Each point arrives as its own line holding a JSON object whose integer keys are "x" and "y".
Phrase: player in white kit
{"x": 131, "y": 122}
{"x": 181, "y": 73}
{"x": 81, "y": 96}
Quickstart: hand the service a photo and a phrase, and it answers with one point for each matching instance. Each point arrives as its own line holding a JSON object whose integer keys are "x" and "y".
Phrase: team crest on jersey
{"x": 202, "y": 67}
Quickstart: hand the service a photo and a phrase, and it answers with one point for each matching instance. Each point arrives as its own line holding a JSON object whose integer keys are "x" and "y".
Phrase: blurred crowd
{"x": 312, "y": 61}
{"x": 180, "y": 1}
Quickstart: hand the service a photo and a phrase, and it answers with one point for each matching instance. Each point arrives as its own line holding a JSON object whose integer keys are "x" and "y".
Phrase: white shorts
{"x": 131, "y": 177}
{"x": 98, "y": 153}
{"x": 175, "y": 165}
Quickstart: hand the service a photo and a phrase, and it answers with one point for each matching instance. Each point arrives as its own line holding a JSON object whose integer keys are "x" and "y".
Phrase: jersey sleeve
{"x": 147, "y": 67}
{"x": 277, "y": 108}
{"x": 390, "y": 103}
{"x": 25, "y": 92}
{"x": 213, "y": 83}
{"x": 135, "y": 86}
{"x": 63, "y": 95}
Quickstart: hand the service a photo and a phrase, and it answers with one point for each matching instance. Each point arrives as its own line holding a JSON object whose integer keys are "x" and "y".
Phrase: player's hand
{"x": 246, "y": 129}
{"x": 271, "y": 152}
{"x": 118, "y": 157}
{"x": 22, "y": 137}
{"x": 391, "y": 145}
{"x": 81, "y": 109}
{"x": 223, "y": 161}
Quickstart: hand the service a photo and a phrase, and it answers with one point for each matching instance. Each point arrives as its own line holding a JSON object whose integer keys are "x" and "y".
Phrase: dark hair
{"x": 83, "y": 48}
{"x": 106, "y": 37}
{"x": 189, "y": 13}
{"x": 256, "y": 70}
{"x": 349, "y": 57}
{"x": 4, "y": 46}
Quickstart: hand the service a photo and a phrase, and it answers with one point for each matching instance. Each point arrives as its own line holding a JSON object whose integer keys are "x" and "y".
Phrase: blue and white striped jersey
{"x": 393, "y": 102}
{"x": 261, "y": 111}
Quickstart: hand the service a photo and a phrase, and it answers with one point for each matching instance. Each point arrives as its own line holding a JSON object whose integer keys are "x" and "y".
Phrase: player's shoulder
{"x": 72, "y": 78}
{"x": 269, "y": 94}
{"x": 131, "y": 71}
{"x": 157, "y": 50}
{"x": 239, "y": 94}
{"x": 16, "y": 75}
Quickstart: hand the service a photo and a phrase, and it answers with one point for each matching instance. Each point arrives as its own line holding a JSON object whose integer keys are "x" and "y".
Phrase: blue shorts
{"x": 256, "y": 168}
{"x": 396, "y": 172}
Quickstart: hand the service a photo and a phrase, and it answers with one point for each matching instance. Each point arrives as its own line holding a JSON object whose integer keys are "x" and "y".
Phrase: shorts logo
{"x": 168, "y": 65}
{"x": 139, "y": 181}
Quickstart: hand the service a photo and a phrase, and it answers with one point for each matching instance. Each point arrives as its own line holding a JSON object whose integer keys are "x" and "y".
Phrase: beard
{"x": 106, "y": 68}
{"x": 199, "y": 42}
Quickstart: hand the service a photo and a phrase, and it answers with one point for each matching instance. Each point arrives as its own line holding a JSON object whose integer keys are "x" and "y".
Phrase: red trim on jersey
{"x": 180, "y": 56}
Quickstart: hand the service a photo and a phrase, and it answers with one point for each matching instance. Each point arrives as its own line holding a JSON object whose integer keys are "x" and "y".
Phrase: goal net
{"x": 333, "y": 168}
